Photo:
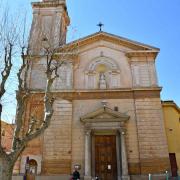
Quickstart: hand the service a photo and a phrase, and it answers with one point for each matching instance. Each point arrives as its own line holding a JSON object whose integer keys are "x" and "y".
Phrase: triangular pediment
{"x": 104, "y": 114}
{"x": 133, "y": 45}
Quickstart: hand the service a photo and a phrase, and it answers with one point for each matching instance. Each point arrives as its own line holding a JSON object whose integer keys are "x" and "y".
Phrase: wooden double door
{"x": 105, "y": 157}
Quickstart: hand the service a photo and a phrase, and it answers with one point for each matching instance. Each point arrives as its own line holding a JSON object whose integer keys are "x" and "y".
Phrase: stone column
{"x": 118, "y": 149}
{"x": 125, "y": 174}
{"x": 87, "y": 155}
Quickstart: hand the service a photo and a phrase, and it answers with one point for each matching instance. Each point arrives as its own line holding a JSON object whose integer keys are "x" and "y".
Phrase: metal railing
{"x": 167, "y": 176}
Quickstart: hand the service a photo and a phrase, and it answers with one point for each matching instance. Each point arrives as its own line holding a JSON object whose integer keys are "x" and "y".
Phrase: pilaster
{"x": 125, "y": 174}
{"x": 87, "y": 155}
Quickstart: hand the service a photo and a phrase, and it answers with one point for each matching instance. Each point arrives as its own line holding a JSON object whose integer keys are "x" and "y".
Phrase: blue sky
{"x": 154, "y": 22}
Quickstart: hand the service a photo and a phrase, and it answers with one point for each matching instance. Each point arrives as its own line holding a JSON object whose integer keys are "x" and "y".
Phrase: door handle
{"x": 109, "y": 167}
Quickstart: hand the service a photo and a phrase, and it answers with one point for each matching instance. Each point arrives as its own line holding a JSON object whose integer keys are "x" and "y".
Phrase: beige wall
{"x": 129, "y": 72}
{"x": 82, "y": 107}
{"x": 150, "y": 154}
{"x": 57, "y": 140}
{"x": 92, "y": 52}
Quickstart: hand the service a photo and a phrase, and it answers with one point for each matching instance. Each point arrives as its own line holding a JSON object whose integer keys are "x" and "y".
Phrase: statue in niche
{"x": 102, "y": 81}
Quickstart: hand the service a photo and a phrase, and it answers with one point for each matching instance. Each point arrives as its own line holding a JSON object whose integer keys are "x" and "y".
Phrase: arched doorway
{"x": 32, "y": 169}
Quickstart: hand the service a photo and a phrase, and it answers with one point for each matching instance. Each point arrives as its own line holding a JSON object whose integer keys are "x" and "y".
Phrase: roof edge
{"x": 171, "y": 103}
{"x": 136, "y": 43}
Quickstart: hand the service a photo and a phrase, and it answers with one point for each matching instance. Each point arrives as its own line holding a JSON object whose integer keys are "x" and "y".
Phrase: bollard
{"x": 150, "y": 176}
{"x": 167, "y": 175}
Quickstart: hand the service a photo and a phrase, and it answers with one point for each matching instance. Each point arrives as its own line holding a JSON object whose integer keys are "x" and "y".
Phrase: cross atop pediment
{"x": 100, "y": 26}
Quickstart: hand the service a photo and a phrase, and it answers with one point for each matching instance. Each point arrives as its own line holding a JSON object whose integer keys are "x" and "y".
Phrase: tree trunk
{"x": 6, "y": 169}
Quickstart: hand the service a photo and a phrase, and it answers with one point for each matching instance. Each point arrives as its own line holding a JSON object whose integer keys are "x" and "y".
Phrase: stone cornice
{"x": 57, "y": 56}
{"x": 145, "y": 53}
{"x": 137, "y": 93}
{"x": 96, "y": 120}
{"x": 56, "y": 3}
{"x": 113, "y": 114}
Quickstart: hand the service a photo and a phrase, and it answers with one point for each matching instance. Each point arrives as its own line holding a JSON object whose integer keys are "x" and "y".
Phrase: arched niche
{"x": 102, "y": 73}
{"x": 34, "y": 159}
{"x": 33, "y": 165}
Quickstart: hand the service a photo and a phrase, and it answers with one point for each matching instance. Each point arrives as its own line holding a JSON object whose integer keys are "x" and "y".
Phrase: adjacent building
{"x": 6, "y": 135}
{"x": 172, "y": 125}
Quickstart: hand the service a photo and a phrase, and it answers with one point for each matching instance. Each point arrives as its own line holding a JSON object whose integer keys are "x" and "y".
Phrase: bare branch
{"x": 7, "y": 68}
{"x": 21, "y": 97}
{"x": 56, "y": 55}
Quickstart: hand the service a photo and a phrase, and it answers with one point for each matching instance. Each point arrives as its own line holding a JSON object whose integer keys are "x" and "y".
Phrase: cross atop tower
{"x": 100, "y": 26}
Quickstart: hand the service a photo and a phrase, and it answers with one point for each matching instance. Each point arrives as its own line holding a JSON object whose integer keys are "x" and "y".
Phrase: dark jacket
{"x": 76, "y": 175}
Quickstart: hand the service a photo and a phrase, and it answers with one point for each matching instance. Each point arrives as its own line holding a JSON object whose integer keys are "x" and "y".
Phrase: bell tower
{"x": 50, "y": 21}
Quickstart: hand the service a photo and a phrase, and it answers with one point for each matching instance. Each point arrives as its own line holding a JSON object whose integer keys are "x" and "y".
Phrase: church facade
{"x": 108, "y": 118}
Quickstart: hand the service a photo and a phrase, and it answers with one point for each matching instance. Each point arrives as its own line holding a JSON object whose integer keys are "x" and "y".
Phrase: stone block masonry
{"x": 151, "y": 135}
{"x": 57, "y": 140}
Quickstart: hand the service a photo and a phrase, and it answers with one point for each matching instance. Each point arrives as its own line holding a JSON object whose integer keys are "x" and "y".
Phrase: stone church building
{"x": 107, "y": 119}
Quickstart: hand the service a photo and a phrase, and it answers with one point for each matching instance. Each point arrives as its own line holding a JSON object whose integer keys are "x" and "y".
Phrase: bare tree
{"x": 10, "y": 44}
{"x": 20, "y": 140}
